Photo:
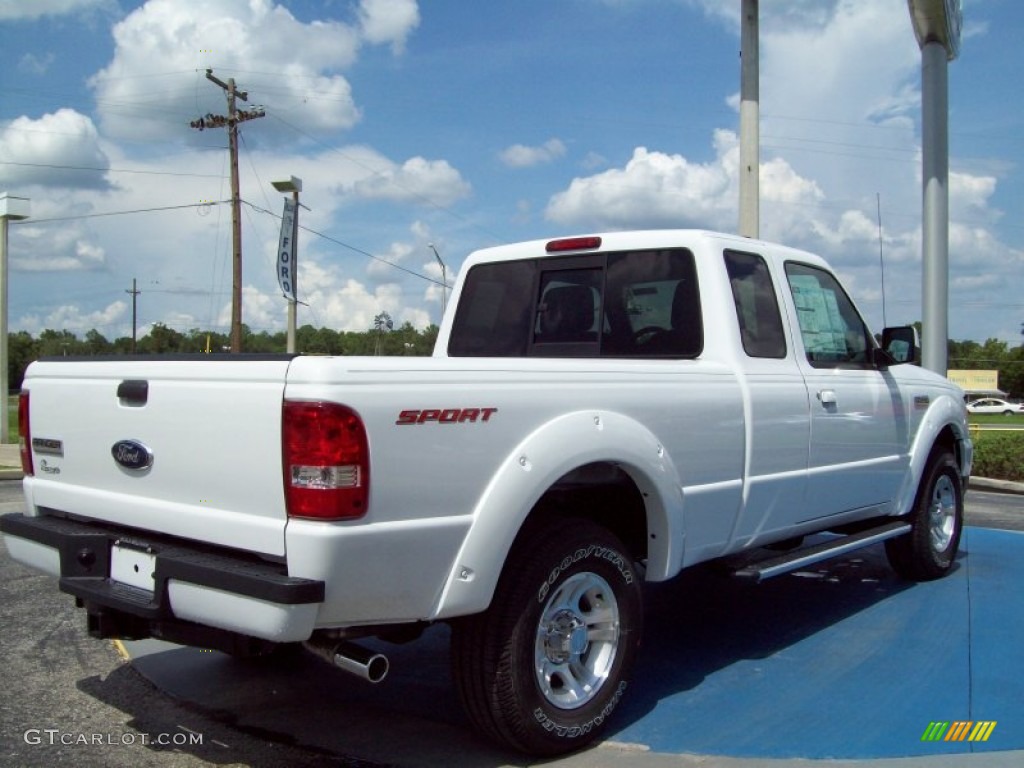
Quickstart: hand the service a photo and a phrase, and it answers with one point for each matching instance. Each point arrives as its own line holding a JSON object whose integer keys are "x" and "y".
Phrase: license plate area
{"x": 132, "y": 565}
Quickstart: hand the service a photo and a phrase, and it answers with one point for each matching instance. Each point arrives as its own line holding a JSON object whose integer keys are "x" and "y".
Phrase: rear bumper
{"x": 165, "y": 580}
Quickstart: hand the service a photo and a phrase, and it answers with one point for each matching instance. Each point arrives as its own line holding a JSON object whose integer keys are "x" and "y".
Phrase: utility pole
{"x": 134, "y": 292}
{"x": 231, "y": 121}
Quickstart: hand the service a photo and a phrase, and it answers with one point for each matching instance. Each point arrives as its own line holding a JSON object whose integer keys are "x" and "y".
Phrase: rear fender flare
{"x": 550, "y": 452}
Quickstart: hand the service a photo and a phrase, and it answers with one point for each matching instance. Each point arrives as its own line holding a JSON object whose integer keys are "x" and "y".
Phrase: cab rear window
{"x": 643, "y": 303}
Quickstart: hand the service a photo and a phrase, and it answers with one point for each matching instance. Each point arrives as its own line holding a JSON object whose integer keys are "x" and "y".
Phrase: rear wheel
{"x": 929, "y": 549}
{"x": 544, "y": 667}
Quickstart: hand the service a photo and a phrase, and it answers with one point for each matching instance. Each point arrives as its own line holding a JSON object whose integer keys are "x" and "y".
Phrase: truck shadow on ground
{"x": 698, "y": 625}
{"x": 706, "y": 620}
{"x": 734, "y": 668}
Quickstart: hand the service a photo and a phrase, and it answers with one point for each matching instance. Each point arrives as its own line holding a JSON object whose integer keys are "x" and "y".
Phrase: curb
{"x": 995, "y": 486}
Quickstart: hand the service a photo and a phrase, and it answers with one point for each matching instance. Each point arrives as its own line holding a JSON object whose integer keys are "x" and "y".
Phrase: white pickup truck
{"x": 599, "y": 411}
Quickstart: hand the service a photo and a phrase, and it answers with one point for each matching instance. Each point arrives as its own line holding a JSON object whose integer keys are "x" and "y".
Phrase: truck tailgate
{"x": 212, "y": 428}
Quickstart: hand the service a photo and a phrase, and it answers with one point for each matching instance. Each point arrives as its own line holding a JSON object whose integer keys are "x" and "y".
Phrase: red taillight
{"x": 24, "y": 435}
{"x": 326, "y": 461}
{"x": 573, "y": 244}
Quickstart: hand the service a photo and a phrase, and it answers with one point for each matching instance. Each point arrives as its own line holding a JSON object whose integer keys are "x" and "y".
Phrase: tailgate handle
{"x": 133, "y": 392}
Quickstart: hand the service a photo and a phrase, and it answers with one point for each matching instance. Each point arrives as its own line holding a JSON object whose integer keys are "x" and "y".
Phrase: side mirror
{"x": 901, "y": 344}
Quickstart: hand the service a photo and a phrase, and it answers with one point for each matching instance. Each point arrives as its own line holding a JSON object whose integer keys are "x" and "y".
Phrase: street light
{"x": 444, "y": 279}
{"x": 937, "y": 25}
{"x": 938, "y": 21}
{"x": 11, "y": 209}
{"x": 287, "y": 255}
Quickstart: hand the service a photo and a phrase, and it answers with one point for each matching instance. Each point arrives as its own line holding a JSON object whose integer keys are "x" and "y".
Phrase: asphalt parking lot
{"x": 841, "y": 663}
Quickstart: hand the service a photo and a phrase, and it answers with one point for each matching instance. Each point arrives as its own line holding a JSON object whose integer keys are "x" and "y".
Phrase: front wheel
{"x": 544, "y": 667}
{"x": 929, "y": 549}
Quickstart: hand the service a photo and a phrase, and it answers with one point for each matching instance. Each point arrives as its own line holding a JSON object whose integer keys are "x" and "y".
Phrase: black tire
{"x": 929, "y": 549}
{"x": 567, "y": 614}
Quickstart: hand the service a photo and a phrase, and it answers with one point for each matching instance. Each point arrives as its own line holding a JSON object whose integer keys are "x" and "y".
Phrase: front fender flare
{"x": 556, "y": 448}
{"x": 944, "y": 412}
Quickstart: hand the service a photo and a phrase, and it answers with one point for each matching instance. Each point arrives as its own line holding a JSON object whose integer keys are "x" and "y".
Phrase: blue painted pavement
{"x": 842, "y": 660}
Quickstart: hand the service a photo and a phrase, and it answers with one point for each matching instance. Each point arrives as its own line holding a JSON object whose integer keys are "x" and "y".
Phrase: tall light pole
{"x": 444, "y": 280}
{"x": 288, "y": 256}
{"x": 937, "y": 26}
{"x": 11, "y": 209}
{"x": 750, "y": 162}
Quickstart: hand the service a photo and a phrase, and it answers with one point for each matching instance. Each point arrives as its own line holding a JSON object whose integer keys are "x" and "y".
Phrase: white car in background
{"x": 994, "y": 405}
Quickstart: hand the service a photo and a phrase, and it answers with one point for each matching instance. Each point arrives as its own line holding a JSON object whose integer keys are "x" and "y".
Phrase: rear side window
{"x": 757, "y": 308}
{"x": 624, "y": 304}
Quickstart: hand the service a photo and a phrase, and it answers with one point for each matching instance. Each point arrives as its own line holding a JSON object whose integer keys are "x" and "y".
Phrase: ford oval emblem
{"x": 131, "y": 454}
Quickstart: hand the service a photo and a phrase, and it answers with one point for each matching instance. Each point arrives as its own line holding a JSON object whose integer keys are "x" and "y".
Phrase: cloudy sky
{"x": 467, "y": 124}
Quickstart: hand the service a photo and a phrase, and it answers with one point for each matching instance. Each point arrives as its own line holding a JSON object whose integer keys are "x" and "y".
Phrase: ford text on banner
{"x": 286, "y": 251}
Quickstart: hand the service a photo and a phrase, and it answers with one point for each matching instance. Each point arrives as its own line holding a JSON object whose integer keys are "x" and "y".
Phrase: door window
{"x": 833, "y": 333}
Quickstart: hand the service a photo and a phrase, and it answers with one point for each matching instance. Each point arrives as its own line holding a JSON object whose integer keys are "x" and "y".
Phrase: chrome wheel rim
{"x": 942, "y": 514}
{"x": 577, "y": 641}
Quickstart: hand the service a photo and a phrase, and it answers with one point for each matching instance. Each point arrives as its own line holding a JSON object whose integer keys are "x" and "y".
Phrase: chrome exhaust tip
{"x": 354, "y": 659}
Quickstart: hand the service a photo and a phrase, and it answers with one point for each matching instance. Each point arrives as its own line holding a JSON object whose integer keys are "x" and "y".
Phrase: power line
{"x": 253, "y": 207}
{"x": 125, "y": 213}
{"x": 353, "y": 248}
{"x": 108, "y": 170}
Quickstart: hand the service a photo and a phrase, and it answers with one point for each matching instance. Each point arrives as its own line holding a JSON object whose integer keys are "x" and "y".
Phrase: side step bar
{"x": 791, "y": 561}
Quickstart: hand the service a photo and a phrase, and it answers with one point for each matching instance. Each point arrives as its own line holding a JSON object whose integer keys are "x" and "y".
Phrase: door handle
{"x": 827, "y": 397}
{"x": 133, "y": 392}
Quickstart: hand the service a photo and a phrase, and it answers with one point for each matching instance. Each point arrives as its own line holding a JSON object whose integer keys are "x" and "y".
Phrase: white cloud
{"x": 418, "y": 180}
{"x": 55, "y": 249}
{"x": 335, "y": 301}
{"x": 18, "y": 10}
{"x": 653, "y": 189}
{"x": 155, "y": 83}
{"x": 389, "y": 21}
{"x": 521, "y": 156}
{"x": 803, "y": 14}
{"x": 35, "y": 65}
{"x": 970, "y": 194}
{"x": 71, "y": 318}
{"x": 52, "y": 151}
{"x": 381, "y": 269}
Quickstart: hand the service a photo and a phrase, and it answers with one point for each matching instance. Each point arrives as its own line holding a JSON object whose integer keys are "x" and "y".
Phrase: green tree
{"x": 58, "y": 343}
{"x": 97, "y": 344}
{"x": 22, "y": 349}
{"x": 162, "y": 340}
